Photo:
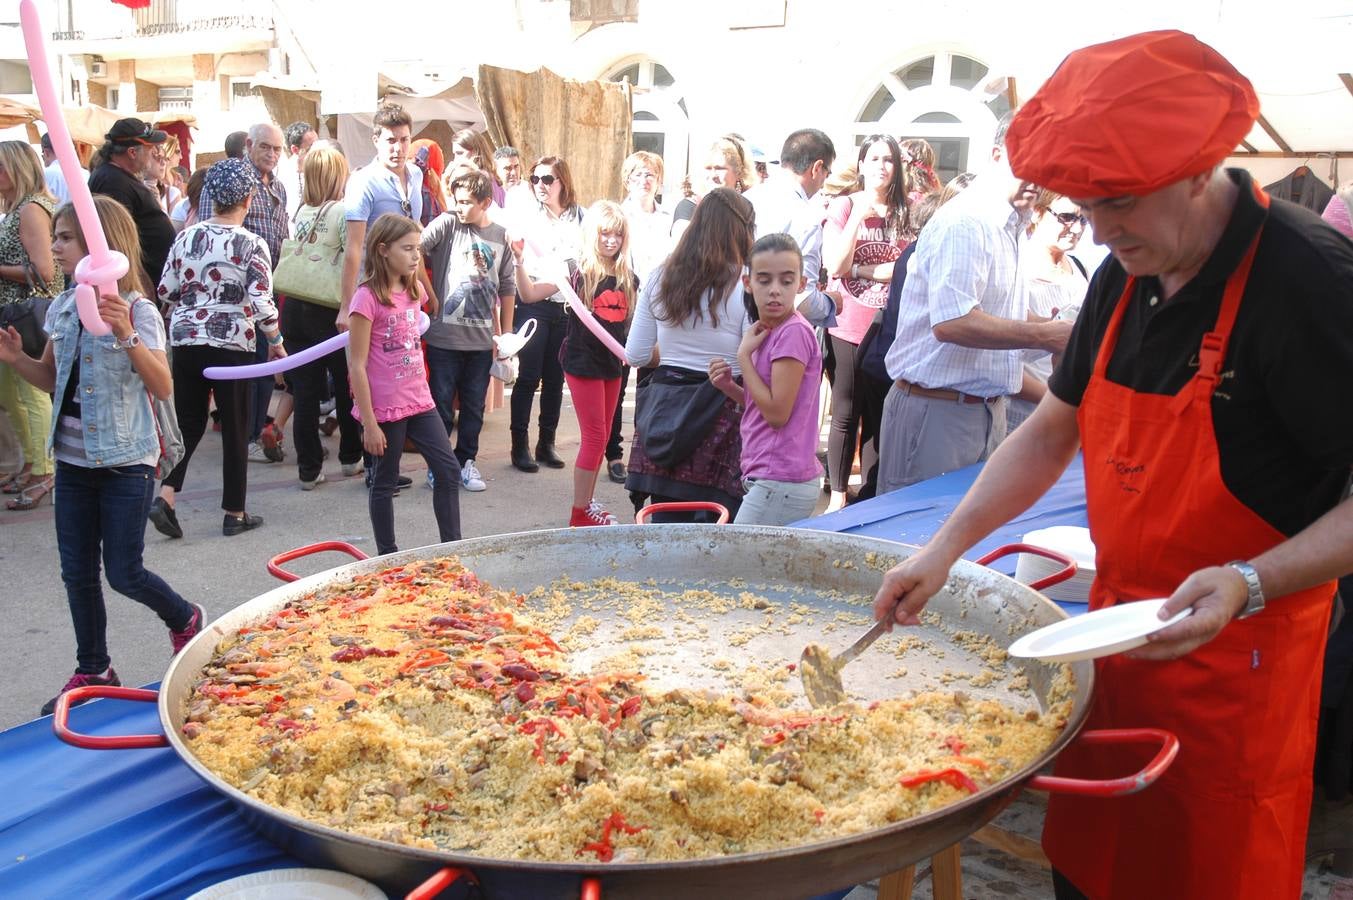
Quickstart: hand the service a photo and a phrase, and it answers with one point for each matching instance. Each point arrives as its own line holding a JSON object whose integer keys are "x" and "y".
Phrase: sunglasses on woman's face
{"x": 547, "y": 180}
{"x": 1068, "y": 219}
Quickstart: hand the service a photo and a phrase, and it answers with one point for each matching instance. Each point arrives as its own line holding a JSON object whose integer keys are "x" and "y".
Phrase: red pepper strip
{"x": 954, "y": 744}
{"x": 603, "y": 849}
{"x": 952, "y": 777}
{"x": 772, "y": 739}
{"x": 972, "y": 761}
{"x": 423, "y": 659}
{"x": 276, "y": 703}
{"x": 631, "y": 706}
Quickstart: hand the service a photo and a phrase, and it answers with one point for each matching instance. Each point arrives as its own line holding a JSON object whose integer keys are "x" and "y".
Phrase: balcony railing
{"x": 97, "y": 20}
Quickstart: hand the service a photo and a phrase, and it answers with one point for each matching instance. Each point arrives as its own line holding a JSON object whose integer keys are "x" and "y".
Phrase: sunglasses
{"x": 406, "y": 207}
{"x": 1067, "y": 219}
{"x": 547, "y": 180}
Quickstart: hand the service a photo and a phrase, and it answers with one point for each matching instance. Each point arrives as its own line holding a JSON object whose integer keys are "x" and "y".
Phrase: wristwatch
{"x": 1254, "y": 602}
{"x": 131, "y": 340}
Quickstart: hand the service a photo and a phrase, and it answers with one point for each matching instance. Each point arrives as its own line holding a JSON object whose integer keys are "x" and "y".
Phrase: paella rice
{"x": 420, "y": 706}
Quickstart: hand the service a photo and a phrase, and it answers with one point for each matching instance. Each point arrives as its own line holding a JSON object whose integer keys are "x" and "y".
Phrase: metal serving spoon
{"x": 821, "y": 672}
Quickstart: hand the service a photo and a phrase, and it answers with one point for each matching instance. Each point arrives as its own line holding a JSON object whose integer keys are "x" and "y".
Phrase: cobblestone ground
{"x": 990, "y": 874}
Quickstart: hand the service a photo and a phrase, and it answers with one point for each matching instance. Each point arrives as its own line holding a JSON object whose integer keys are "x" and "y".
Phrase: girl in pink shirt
{"x": 389, "y": 387}
{"x": 781, "y": 374}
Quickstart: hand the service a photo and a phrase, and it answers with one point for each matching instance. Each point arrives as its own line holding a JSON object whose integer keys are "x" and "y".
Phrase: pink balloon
{"x": 292, "y": 360}
{"x": 579, "y": 309}
{"x": 99, "y": 272}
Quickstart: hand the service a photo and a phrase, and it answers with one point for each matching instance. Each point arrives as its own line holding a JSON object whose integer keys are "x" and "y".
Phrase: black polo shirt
{"x": 154, "y": 227}
{"x": 1282, "y": 412}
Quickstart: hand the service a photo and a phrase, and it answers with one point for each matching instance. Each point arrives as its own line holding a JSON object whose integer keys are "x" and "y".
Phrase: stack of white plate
{"x": 1069, "y": 541}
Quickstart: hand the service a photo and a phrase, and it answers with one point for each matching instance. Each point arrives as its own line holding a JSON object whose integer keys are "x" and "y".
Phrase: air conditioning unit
{"x": 98, "y": 68}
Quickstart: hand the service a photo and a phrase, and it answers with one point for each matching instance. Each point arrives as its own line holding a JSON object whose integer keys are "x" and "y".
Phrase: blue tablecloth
{"x": 139, "y": 823}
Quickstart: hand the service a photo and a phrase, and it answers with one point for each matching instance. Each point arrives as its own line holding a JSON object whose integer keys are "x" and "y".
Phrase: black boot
{"x": 521, "y": 457}
{"x": 545, "y": 450}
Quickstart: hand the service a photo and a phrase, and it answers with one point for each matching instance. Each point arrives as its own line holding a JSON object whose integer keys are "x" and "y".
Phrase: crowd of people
{"x": 935, "y": 313}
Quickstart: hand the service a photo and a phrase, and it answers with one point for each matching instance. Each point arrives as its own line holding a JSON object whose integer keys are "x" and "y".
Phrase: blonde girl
{"x": 608, "y": 287}
{"x": 389, "y": 386}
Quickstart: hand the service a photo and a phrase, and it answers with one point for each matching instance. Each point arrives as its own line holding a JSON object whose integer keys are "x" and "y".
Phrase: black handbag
{"x": 27, "y": 316}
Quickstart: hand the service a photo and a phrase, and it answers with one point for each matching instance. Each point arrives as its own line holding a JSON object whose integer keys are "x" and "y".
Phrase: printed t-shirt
{"x": 394, "y": 364}
{"x": 861, "y": 297}
{"x": 471, "y": 268}
{"x": 787, "y": 453}
{"x": 584, "y": 355}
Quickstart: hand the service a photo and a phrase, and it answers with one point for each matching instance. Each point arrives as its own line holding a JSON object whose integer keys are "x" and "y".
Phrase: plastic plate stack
{"x": 1071, "y": 541}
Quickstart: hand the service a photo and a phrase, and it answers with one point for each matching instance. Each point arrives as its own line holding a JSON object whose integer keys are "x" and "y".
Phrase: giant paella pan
{"x": 832, "y": 576}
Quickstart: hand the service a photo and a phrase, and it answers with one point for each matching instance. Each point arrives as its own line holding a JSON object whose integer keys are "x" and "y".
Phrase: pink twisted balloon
{"x": 97, "y": 273}
{"x": 575, "y": 302}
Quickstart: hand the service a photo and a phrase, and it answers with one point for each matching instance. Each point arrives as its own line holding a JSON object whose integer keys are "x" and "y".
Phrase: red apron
{"x": 1228, "y": 820}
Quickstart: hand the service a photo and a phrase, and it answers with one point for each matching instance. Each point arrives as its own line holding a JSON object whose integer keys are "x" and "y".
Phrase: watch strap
{"x": 1254, "y": 601}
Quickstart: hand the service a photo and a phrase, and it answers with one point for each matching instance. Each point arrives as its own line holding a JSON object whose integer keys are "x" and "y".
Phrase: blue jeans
{"x": 107, "y": 507}
{"x": 463, "y": 373}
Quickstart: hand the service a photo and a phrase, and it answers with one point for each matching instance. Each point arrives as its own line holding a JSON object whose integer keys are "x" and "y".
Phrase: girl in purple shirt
{"x": 781, "y": 374}
{"x": 389, "y": 387}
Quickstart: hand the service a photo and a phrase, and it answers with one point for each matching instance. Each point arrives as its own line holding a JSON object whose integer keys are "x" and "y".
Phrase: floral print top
{"x": 12, "y": 253}
{"x": 218, "y": 279}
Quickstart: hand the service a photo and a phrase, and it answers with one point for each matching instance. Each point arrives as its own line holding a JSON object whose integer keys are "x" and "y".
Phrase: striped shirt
{"x": 267, "y": 215}
{"x": 968, "y": 257}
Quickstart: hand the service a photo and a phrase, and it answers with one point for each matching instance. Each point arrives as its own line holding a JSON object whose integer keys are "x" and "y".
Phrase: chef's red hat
{"x": 1131, "y": 116}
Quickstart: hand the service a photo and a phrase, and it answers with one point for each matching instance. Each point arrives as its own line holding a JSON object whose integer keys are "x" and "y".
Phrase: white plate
{"x": 1095, "y": 634}
{"x": 293, "y": 884}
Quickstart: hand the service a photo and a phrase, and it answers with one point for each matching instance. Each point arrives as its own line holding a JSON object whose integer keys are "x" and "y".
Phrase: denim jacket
{"x": 119, "y": 426}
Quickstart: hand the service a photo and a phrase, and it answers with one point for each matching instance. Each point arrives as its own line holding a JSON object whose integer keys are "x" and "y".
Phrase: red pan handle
{"x": 61, "y": 719}
{"x": 591, "y": 889}
{"x": 440, "y": 882}
{"x": 1068, "y": 564}
{"x": 275, "y": 564}
{"x": 1115, "y": 787}
{"x": 641, "y": 517}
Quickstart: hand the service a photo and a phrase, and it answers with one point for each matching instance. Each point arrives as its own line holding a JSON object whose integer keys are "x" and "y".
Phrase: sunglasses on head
{"x": 1067, "y": 219}
{"x": 547, "y": 180}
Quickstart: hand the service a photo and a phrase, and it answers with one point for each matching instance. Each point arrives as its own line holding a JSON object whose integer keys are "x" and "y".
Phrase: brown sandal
{"x": 31, "y": 496}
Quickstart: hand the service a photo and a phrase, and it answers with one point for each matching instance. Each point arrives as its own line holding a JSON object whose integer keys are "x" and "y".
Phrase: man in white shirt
{"x": 782, "y": 205}
{"x": 55, "y": 178}
{"x": 390, "y": 183}
{"x": 961, "y": 326}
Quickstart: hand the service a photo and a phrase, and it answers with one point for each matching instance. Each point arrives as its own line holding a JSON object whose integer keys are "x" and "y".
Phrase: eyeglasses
{"x": 547, "y": 180}
{"x": 643, "y": 176}
{"x": 1068, "y": 219}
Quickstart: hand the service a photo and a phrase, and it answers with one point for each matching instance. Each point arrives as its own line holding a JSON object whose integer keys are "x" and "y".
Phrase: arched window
{"x": 661, "y": 124}
{"x": 949, "y": 99}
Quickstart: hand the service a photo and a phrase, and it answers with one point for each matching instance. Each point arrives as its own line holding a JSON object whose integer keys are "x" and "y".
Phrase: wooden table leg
{"x": 947, "y": 874}
{"x": 897, "y": 885}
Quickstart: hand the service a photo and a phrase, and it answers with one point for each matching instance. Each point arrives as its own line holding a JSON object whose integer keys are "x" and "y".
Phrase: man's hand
{"x": 1217, "y": 596}
{"x": 908, "y": 585}
{"x": 1056, "y": 335}
{"x": 341, "y": 321}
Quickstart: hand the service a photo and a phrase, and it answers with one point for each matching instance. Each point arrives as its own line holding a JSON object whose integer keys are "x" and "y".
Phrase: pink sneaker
{"x": 81, "y": 679}
{"x": 179, "y": 639}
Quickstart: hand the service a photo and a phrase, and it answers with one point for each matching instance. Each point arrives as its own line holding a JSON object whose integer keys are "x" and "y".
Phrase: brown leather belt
{"x": 938, "y": 393}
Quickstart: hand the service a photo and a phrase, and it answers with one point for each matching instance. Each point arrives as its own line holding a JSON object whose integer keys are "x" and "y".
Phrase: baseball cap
{"x": 130, "y": 132}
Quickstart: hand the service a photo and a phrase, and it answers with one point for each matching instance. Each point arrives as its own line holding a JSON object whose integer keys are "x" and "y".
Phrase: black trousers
{"x": 234, "y": 401}
{"x": 842, "y": 367}
{"x": 615, "y": 447}
{"x": 540, "y": 367}
{"x": 428, "y": 434}
{"x": 305, "y": 325}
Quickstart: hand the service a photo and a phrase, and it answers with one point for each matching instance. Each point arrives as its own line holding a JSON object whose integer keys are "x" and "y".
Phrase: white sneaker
{"x": 598, "y": 512}
{"x": 311, "y": 485}
{"x": 326, "y": 407}
{"x": 257, "y": 454}
{"x": 470, "y": 479}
